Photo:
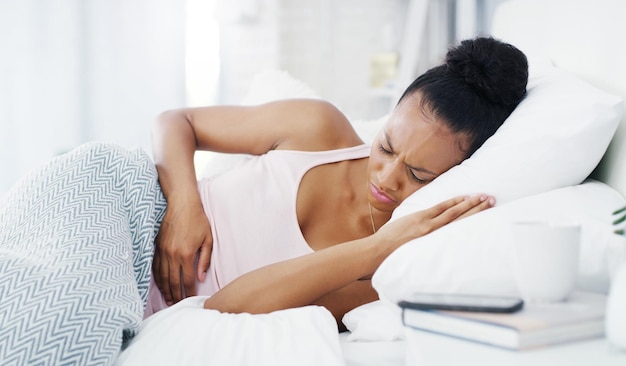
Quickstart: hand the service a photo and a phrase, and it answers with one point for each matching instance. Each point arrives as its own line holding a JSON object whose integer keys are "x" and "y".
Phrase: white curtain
{"x": 73, "y": 71}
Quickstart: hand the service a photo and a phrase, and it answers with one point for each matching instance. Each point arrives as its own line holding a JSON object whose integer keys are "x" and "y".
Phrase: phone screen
{"x": 478, "y": 303}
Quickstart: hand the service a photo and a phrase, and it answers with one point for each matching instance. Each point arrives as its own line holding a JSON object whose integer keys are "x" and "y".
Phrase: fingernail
{"x": 483, "y": 198}
{"x": 492, "y": 201}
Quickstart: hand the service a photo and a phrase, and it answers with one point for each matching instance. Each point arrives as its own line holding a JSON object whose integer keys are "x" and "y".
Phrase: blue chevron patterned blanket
{"x": 76, "y": 246}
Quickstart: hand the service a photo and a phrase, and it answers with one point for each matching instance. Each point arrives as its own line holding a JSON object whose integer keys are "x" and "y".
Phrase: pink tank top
{"x": 252, "y": 210}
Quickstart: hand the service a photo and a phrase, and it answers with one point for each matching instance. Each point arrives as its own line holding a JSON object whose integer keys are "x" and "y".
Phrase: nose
{"x": 387, "y": 176}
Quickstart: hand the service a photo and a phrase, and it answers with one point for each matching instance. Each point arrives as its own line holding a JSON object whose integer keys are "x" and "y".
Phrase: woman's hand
{"x": 423, "y": 222}
{"x": 184, "y": 233}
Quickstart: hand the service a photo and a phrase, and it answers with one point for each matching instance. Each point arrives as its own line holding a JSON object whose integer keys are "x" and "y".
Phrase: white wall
{"x": 134, "y": 53}
{"x": 73, "y": 71}
{"x": 326, "y": 43}
{"x": 40, "y": 109}
{"x": 329, "y": 44}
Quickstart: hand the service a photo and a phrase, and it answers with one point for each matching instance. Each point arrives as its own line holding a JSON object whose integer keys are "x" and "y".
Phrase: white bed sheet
{"x": 186, "y": 334}
{"x": 372, "y": 353}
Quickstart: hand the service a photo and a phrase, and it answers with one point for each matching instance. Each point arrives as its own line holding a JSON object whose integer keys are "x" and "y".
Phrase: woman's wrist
{"x": 386, "y": 243}
{"x": 184, "y": 200}
{"x": 376, "y": 250}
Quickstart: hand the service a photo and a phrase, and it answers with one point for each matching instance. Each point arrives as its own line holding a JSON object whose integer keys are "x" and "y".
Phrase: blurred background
{"x": 73, "y": 71}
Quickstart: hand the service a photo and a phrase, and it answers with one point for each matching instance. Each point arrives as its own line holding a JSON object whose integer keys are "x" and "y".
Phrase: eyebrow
{"x": 422, "y": 170}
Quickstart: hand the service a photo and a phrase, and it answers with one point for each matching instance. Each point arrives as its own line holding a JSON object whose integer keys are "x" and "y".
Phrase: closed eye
{"x": 383, "y": 150}
{"x": 416, "y": 178}
{"x": 410, "y": 171}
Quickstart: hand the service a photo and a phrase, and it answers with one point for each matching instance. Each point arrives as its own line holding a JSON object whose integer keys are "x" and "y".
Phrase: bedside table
{"x": 429, "y": 349}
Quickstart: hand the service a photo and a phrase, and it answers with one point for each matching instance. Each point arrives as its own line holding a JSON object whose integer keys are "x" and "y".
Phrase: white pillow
{"x": 374, "y": 321}
{"x": 474, "y": 255}
{"x": 554, "y": 138}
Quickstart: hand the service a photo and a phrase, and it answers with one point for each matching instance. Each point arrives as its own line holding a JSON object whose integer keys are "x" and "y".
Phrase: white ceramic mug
{"x": 545, "y": 259}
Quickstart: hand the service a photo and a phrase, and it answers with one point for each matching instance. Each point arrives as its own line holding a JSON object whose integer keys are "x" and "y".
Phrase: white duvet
{"x": 186, "y": 334}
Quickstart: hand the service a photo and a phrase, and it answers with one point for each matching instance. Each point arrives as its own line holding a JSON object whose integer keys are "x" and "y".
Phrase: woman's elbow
{"x": 169, "y": 117}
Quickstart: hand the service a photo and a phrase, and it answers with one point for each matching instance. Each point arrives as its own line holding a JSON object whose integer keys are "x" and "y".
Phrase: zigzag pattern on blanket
{"x": 76, "y": 246}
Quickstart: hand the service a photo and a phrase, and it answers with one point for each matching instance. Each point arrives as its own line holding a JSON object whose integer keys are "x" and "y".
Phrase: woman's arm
{"x": 185, "y": 229}
{"x": 293, "y": 124}
{"x": 304, "y": 280}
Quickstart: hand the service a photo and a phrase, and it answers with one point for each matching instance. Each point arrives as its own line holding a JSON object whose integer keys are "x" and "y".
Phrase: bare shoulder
{"x": 317, "y": 125}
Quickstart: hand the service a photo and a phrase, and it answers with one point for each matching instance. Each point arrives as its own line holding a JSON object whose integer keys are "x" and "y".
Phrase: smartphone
{"x": 460, "y": 302}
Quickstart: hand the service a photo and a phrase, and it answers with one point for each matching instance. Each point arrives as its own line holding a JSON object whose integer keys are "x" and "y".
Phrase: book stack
{"x": 581, "y": 316}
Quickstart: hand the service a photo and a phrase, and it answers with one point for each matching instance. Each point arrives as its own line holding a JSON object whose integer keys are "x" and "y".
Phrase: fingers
{"x": 160, "y": 270}
{"x": 164, "y": 272}
{"x": 204, "y": 259}
{"x": 467, "y": 207}
{"x": 444, "y": 206}
{"x": 169, "y": 282}
{"x": 175, "y": 281}
{"x": 457, "y": 208}
{"x": 485, "y": 202}
{"x": 420, "y": 223}
{"x": 189, "y": 280}
{"x": 164, "y": 285}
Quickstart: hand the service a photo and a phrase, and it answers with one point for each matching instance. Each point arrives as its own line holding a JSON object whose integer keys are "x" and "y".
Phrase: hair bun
{"x": 497, "y": 70}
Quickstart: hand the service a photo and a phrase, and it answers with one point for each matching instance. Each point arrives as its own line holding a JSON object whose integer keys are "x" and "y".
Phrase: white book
{"x": 581, "y": 316}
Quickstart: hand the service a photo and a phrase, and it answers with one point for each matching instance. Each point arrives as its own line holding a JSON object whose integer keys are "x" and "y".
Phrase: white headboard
{"x": 586, "y": 37}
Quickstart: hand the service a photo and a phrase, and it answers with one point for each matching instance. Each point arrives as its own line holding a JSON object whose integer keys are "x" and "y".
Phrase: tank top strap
{"x": 302, "y": 161}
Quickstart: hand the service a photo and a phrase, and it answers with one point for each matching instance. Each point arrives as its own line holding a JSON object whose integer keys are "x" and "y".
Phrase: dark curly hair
{"x": 476, "y": 89}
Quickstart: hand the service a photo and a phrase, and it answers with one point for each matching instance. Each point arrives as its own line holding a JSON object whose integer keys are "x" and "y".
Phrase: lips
{"x": 379, "y": 195}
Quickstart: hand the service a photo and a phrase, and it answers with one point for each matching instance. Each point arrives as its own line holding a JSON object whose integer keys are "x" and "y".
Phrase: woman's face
{"x": 411, "y": 150}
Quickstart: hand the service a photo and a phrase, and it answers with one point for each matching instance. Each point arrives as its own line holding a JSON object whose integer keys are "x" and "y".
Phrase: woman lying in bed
{"x": 302, "y": 222}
